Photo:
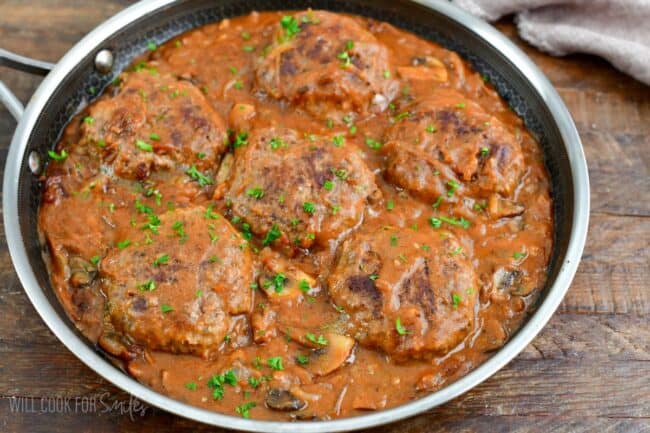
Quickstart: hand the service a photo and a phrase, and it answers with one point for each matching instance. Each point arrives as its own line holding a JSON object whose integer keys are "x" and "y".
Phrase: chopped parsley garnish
{"x": 256, "y": 192}
{"x": 303, "y": 285}
{"x": 453, "y": 186}
{"x": 166, "y": 308}
{"x": 248, "y": 48}
{"x": 153, "y": 224}
{"x": 320, "y": 340}
{"x": 430, "y": 128}
{"x": 335, "y": 209}
{"x": 393, "y": 240}
{"x": 217, "y": 382}
{"x": 275, "y": 363}
{"x": 344, "y": 56}
{"x": 89, "y": 120}
{"x": 244, "y": 409}
{"x": 123, "y": 244}
{"x": 460, "y": 105}
{"x": 338, "y": 140}
{"x": 254, "y": 382}
{"x": 309, "y": 207}
{"x": 191, "y": 386}
{"x": 485, "y": 151}
{"x": 161, "y": 260}
{"x": 373, "y": 277}
{"x": 209, "y": 214}
{"x": 238, "y": 85}
{"x": 241, "y": 139}
{"x": 328, "y": 185}
{"x": 460, "y": 222}
{"x": 199, "y": 177}
{"x": 151, "y": 45}
{"x": 58, "y": 156}
{"x": 290, "y": 25}
{"x": 245, "y": 35}
{"x": 277, "y": 282}
{"x": 276, "y": 143}
{"x": 143, "y": 208}
{"x": 143, "y": 145}
{"x": 95, "y": 260}
{"x": 341, "y": 173}
{"x": 373, "y": 144}
{"x": 301, "y": 359}
{"x": 153, "y": 136}
{"x": 390, "y": 204}
{"x": 149, "y": 286}
{"x": 272, "y": 235}
{"x": 179, "y": 228}
{"x": 401, "y": 330}
{"x": 437, "y": 202}
{"x": 456, "y": 300}
{"x": 401, "y": 116}
{"x": 387, "y": 74}
{"x": 519, "y": 255}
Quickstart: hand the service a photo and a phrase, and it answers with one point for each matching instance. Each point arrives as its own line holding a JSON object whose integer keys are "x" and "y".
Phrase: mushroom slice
{"x": 499, "y": 207}
{"x": 82, "y": 273}
{"x": 506, "y": 280}
{"x": 281, "y": 280}
{"x": 424, "y": 68}
{"x": 326, "y": 359}
{"x": 329, "y": 350}
{"x": 284, "y": 400}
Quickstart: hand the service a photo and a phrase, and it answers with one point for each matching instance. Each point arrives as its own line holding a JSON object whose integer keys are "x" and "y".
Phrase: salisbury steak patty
{"x": 177, "y": 291}
{"x": 448, "y": 129}
{"x": 154, "y": 122}
{"x": 298, "y": 190}
{"x": 328, "y": 64}
{"x": 407, "y": 293}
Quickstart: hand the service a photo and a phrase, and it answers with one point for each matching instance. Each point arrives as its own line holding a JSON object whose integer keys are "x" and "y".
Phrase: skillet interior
{"x": 84, "y": 83}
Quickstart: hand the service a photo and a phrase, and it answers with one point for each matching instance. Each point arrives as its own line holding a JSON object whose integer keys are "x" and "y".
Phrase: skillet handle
{"x": 20, "y": 63}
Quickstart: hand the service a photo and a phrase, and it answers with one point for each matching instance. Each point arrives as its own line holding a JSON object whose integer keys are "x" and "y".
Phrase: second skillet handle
{"x": 20, "y": 63}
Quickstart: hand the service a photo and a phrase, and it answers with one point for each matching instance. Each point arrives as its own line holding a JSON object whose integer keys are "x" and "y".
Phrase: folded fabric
{"x": 617, "y": 30}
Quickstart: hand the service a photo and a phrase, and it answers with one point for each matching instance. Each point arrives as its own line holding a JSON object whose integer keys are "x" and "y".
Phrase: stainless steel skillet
{"x": 93, "y": 63}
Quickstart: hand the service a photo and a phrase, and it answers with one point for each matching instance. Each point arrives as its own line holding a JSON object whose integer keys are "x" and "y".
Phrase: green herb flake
{"x": 148, "y": 286}
{"x": 244, "y": 409}
{"x": 161, "y": 260}
{"x": 320, "y": 340}
{"x": 303, "y": 285}
{"x": 290, "y": 25}
{"x": 302, "y": 359}
{"x": 519, "y": 256}
{"x": 166, "y": 308}
{"x": 390, "y": 204}
{"x": 89, "y": 120}
{"x": 275, "y": 363}
{"x": 151, "y": 45}
{"x": 456, "y": 299}
{"x": 57, "y": 156}
{"x": 338, "y": 140}
{"x": 123, "y": 244}
{"x": 191, "y": 386}
{"x": 272, "y": 235}
{"x": 95, "y": 260}
{"x": 328, "y": 185}
{"x": 256, "y": 192}
{"x": 373, "y": 144}
{"x": 401, "y": 330}
{"x": 199, "y": 177}
{"x": 309, "y": 207}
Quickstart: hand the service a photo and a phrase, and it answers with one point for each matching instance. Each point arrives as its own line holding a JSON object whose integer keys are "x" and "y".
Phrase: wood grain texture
{"x": 589, "y": 369}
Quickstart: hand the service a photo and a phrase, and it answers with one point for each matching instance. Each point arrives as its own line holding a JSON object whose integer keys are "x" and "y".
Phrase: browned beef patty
{"x": 406, "y": 292}
{"x": 327, "y": 64}
{"x": 447, "y": 130}
{"x": 177, "y": 290}
{"x": 297, "y": 191}
{"x": 154, "y": 122}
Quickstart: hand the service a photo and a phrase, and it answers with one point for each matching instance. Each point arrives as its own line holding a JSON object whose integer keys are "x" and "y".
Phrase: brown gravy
{"x": 297, "y": 216}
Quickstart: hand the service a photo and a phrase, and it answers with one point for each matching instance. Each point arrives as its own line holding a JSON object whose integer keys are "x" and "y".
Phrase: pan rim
{"x": 81, "y": 349}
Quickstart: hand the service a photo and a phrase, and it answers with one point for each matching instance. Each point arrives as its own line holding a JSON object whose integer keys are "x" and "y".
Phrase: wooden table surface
{"x": 588, "y": 370}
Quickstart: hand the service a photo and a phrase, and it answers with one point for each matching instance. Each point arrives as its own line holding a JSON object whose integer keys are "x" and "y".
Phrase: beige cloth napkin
{"x": 617, "y": 30}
